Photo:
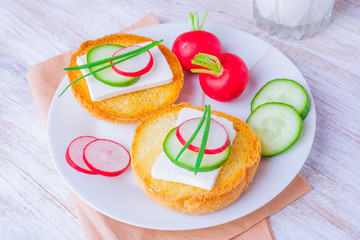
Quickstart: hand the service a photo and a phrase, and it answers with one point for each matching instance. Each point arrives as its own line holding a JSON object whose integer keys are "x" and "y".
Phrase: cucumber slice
{"x": 278, "y": 126}
{"x": 187, "y": 160}
{"x": 284, "y": 91}
{"x": 108, "y": 76}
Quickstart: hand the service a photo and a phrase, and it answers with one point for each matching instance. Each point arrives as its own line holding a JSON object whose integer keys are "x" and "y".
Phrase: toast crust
{"x": 130, "y": 108}
{"x": 234, "y": 177}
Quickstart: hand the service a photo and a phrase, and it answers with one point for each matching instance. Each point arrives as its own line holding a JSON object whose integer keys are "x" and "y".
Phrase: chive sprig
{"x": 191, "y": 139}
{"x": 203, "y": 141}
{"x": 122, "y": 57}
{"x": 207, "y": 115}
{"x": 105, "y": 60}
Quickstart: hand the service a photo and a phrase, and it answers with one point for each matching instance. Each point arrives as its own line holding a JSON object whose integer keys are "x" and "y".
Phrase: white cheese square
{"x": 164, "y": 169}
{"x": 159, "y": 74}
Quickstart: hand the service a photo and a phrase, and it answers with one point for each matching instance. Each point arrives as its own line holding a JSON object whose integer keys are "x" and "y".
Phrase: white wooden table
{"x": 33, "y": 199}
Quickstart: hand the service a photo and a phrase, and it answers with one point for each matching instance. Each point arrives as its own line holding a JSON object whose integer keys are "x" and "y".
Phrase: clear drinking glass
{"x": 292, "y": 18}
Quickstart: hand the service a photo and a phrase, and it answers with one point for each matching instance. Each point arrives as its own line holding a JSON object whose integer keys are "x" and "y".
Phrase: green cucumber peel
{"x": 203, "y": 141}
{"x": 127, "y": 57}
{"x": 194, "y": 134}
{"x": 194, "y": 21}
{"x": 210, "y": 62}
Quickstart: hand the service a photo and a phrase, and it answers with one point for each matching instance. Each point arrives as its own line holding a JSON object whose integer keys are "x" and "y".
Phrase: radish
{"x": 106, "y": 157}
{"x": 188, "y": 44}
{"x": 74, "y": 154}
{"x": 218, "y": 139}
{"x": 222, "y": 78}
{"x": 136, "y": 66}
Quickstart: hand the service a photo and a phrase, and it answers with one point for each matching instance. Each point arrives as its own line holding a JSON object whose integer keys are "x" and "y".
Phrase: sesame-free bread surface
{"x": 130, "y": 108}
{"x": 234, "y": 177}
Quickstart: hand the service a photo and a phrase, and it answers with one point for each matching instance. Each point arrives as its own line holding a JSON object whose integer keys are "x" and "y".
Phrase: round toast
{"x": 234, "y": 177}
{"x": 130, "y": 108}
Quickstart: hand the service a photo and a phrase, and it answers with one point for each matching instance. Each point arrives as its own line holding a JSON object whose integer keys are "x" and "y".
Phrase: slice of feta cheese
{"x": 159, "y": 74}
{"x": 164, "y": 169}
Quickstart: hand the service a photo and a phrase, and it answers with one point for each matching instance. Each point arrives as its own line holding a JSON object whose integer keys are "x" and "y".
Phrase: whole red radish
{"x": 188, "y": 44}
{"x": 222, "y": 78}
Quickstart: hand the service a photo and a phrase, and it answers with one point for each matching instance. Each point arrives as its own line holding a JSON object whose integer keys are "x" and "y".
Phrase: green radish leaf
{"x": 191, "y": 21}
{"x": 194, "y": 21}
{"x": 204, "y": 18}
{"x": 210, "y": 62}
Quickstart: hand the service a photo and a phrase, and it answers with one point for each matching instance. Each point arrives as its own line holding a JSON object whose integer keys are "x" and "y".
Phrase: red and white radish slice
{"x": 106, "y": 157}
{"x": 135, "y": 66}
{"x": 218, "y": 139}
{"x": 74, "y": 154}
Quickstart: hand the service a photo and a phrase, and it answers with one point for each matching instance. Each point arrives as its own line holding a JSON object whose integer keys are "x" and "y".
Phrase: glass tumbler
{"x": 292, "y": 18}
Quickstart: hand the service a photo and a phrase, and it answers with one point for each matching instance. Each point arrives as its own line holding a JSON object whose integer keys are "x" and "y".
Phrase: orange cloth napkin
{"x": 43, "y": 80}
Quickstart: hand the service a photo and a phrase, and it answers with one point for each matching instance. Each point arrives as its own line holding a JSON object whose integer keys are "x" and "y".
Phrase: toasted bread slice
{"x": 233, "y": 179}
{"x": 130, "y": 108}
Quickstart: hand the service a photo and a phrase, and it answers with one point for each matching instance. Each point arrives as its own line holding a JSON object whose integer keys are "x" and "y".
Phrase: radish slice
{"x": 218, "y": 139}
{"x": 135, "y": 66}
{"x": 106, "y": 157}
{"x": 74, "y": 154}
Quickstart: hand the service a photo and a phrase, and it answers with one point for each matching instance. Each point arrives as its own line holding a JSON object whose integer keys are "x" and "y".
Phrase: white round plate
{"x": 121, "y": 198}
